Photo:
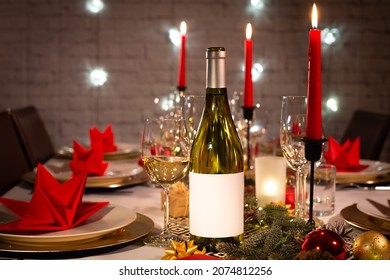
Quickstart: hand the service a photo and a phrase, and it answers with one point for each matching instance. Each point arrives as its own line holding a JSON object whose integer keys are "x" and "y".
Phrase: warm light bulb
{"x": 257, "y": 4}
{"x": 332, "y": 104}
{"x": 95, "y": 6}
{"x": 175, "y": 36}
{"x": 248, "y": 31}
{"x": 257, "y": 69}
{"x": 314, "y": 17}
{"x": 98, "y": 77}
{"x": 329, "y": 36}
{"x": 183, "y": 28}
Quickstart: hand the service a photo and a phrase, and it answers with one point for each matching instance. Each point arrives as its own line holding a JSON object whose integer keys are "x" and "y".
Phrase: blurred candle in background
{"x": 182, "y": 58}
{"x": 314, "y": 110}
{"x": 270, "y": 178}
{"x": 248, "y": 85}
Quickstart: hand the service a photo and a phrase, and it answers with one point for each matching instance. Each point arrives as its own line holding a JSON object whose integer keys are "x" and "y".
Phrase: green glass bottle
{"x": 216, "y": 179}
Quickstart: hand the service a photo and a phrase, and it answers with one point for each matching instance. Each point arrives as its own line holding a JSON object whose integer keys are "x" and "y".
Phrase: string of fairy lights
{"x": 329, "y": 36}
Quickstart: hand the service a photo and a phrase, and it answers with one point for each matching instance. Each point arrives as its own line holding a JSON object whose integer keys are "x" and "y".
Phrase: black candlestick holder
{"x": 248, "y": 116}
{"x": 181, "y": 88}
{"x": 313, "y": 151}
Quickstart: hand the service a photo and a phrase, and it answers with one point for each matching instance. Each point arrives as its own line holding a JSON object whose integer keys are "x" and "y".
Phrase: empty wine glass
{"x": 292, "y": 131}
{"x": 192, "y": 109}
{"x": 258, "y": 126}
{"x": 165, "y": 154}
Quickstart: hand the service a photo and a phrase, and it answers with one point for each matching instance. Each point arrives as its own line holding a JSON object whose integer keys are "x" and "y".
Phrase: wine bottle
{"x": 216, "y": 178}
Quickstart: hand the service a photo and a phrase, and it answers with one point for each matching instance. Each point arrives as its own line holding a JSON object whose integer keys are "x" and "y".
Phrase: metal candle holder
{"x": 248, "y": 116}
{"x": 313, "y": 151}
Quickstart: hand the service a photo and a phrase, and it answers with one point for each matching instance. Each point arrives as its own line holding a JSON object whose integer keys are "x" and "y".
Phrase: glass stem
{"x": 166, "y": 209}
{"x": 300, "y": 194}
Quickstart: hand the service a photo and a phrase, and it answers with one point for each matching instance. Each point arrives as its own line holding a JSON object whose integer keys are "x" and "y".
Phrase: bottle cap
{"x": 216, "y": 52}
{"x": 215, "y": 67}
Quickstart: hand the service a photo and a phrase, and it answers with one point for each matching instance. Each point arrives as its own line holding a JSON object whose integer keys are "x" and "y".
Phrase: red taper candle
{"x": 248, "y": 86}
{"x": 182, "y": 60}
{"x": 314, "y": 99}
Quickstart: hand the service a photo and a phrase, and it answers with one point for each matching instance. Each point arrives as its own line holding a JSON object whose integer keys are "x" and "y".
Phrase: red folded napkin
{"x": 53, "y": 206}
{"x": 90, "y": 160}
{"x": 345, "y": 157}
{"x": 106, "y": 138}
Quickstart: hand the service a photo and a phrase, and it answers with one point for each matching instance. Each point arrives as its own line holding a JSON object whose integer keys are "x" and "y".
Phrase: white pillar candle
{"x": 270, "y": 176}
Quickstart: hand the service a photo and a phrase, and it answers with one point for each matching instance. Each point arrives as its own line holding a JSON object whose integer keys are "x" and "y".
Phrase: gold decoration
{"x": 178, "y": 200}
{"x": 182, "y": 249}
{"x": 371, "y": 245}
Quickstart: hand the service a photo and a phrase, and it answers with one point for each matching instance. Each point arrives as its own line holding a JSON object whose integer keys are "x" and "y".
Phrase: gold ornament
{"x": 371, "y": 245}
{"x": 182, "y": 249}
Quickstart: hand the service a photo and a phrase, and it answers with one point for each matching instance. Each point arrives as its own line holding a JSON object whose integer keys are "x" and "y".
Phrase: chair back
{"x": 13, "y": 158}
{"x": 372, "y": 128}
{"x": 34, "y": 135}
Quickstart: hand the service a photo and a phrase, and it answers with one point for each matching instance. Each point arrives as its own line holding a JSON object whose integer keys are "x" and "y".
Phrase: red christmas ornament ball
{"x": 325, "y": 240}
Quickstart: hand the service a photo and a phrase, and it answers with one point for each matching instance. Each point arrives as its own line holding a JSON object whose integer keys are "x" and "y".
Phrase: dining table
{"x": 145, "y": 199}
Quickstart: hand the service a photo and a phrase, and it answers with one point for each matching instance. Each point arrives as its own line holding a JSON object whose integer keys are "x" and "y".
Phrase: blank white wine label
{"x": 216, "y": 204}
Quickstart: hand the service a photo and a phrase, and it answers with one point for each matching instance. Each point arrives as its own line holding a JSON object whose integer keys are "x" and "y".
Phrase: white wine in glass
{"x": 165, "y": 154}
{"x": 292, "y": 132}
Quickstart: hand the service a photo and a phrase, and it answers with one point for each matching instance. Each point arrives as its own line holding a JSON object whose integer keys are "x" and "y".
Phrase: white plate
{"x": 374, "y": 169}
{"x": 116, "y": 170}
{"x": 120, "y": 173}
{"x": 124, "y": 150}
{"x": 106, "y": 220}
{"x": 371, "y": 208}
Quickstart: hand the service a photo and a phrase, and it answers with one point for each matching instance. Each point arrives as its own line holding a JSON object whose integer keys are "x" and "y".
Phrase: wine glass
{"x": 192, "y": 109}
{"x": 165, "y": 154}
{"x": 257, "y": 130}
{"x": 292, "y": 131}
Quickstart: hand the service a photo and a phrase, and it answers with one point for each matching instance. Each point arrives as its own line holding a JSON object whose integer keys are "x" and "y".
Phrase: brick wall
{"x": 48, "y": 46}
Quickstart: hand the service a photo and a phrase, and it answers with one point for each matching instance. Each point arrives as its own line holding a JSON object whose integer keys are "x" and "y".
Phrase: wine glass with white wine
{"x": 165, "y": 154}
{"x": 292, "y": 131}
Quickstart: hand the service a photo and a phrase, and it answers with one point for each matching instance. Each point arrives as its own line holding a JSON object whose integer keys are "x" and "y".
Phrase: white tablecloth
{"x": 145, "y": 199}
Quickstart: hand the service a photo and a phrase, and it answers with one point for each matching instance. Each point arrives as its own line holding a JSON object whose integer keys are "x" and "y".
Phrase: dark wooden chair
{"x": 372, "y": 128}
{"x": 34, "y": 135}
{"x": 13, "y": 158}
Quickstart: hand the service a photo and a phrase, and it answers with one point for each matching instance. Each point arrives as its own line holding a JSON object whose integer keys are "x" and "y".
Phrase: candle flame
{"x": 270, "y": 187}
{"x": 314, "y": 17}
{"x": 183, "y": 28}
{"x": 248, "y": 31}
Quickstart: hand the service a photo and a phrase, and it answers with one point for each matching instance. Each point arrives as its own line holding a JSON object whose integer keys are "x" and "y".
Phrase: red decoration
{"x": 53, "y": 206}
{"x": 182, "y": 60}
{"x": 106, "y": 138}
{"x": 248, "y": 86}
{"x": 326, "y": 241}
{"x": 140, "y": 162}
{"x": 90, "y": 160}
{"x": 290, "y": 196}
{"x": 296, "y": 129}
{"x": 314, "y": 110}
{"x": 345, "y": 157}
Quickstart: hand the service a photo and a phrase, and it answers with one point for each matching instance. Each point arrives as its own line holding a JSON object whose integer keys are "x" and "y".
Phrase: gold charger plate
{"x": 140, "y": 227}
{"x": 353, "y": 216}
{"x": 377, "y": 171}
{"x": 119, "y": 173}
{"x": 125, "y": 151}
